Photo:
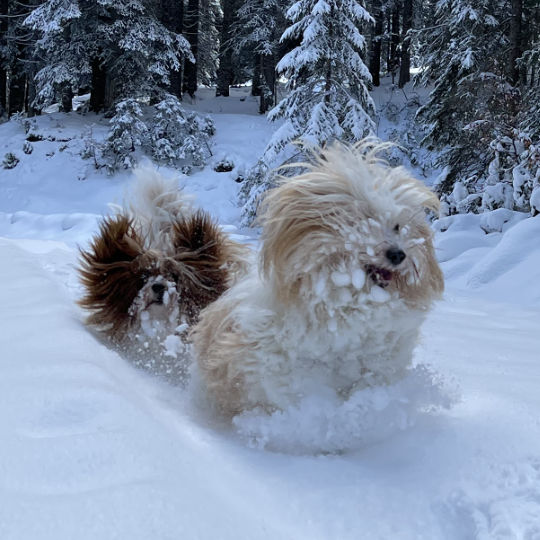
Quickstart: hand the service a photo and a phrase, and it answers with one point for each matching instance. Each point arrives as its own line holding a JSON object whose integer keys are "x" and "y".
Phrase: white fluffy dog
{"x": 347, "y": 273}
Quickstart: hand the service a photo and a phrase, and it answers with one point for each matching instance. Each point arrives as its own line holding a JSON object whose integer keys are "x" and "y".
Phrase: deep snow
{"x": 94, "y": 448}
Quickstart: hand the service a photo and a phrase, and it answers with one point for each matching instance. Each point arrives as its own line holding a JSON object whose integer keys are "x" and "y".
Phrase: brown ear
{"x": 111, "y": 274}
{"x": 201, "y": 261}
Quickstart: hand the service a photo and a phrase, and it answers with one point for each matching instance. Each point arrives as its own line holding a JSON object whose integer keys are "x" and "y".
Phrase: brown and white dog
{"x": 346, "y": 275}
{"x": 152, "y": 268}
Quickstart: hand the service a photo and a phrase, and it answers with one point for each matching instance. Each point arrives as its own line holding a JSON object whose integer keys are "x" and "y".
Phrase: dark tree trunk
{"x": 268, "y": 90}
{"x": 66, "y": 101}
{"x": 515, "y": 40}
{"x": 31, "y": 95}
{"x": 172, "y": 17}
{"x": 191, "y": 33}
{"x": 394, "y": 42}
{"x": 3, "y": 72}
{"x": 225, "y": 70}
{"x": 17, "y": 93}
{"x": 97, "y": 93}
{"x": 3, "y": 83}
{"x": 405, "y": 66}
{"x": 376, "y": 43}
{"x": 256, "y": 84}
{"x": 111, "y": 90}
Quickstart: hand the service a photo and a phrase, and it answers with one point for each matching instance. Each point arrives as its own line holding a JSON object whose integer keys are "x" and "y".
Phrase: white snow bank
{"x": 92, "y": 449}
{"x": 70, "y": 228}
{"x": 496, "y": 254}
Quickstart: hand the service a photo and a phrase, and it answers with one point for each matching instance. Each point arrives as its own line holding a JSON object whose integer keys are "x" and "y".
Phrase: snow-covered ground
{"x": 94, "y": 448}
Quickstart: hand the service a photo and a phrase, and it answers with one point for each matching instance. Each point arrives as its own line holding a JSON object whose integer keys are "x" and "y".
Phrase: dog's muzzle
{"x": 158, "y": 291}
{"x": 395, "y": 255}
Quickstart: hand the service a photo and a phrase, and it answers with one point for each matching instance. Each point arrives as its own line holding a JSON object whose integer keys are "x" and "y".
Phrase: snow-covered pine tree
{"x": 166, "y": 131}
{"x": 327, "y": 95}
{"x": 179, "y": 137}
{"x": 128, "y": 132}
{"x": 63, "y": 47}
{"x": 259, "y": 28}
{"x": 123, "y": 38}
{"x": 459, "y": 57}
{"x": 17, "y": 65}
{"x": 530, "y": 119}
{"x": 472, "y": 115}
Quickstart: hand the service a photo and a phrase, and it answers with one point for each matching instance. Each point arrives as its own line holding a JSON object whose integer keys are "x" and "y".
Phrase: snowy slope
{"x": 93, "y": 448}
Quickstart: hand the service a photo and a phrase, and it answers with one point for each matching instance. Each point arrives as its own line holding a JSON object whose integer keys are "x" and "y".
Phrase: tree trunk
{"x": 224, "y": 72}
{"x": 515, "y": 40}
{"x": 268, "y": 90}
{"x": 17, "y": 93}
{"x": 31, "y": 95}
{"x": 394, "y": 42}
{"x": 97, "y": 93}
{"x": 66, "y": 93}
{"x": 3, "y": 88}
{"x": 405, "y": 66}
{"x": 191, "y": 32}
{"x": 111, "y": 90}
{"x": 3, "y": 70}
{"x": 256, "y": 84}
{"x": 376, "y": 42}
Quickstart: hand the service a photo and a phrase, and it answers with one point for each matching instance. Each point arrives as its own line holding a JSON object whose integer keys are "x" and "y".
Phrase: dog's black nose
{"x": 395, "y": 256}
{"x": 158, "y": 288}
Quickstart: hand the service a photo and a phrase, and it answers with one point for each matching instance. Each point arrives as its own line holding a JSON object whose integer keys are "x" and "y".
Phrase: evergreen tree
{"x": 119, "y": 47}
{"x": 191, "y": 32}
{"x": 172, "y": 17}
{"x": 327, "y": 78}
{"x": 260, "y": 26}
{"x": 460, "y": 57}
{"x": 473, "y": 114}
{"x": 208, "y": 47}
{"x": 17, "y": 64}
{"x": 225, "y": 75}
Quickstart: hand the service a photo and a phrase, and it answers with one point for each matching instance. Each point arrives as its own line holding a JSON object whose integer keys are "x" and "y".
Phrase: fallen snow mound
{"x": 494, "y": 254}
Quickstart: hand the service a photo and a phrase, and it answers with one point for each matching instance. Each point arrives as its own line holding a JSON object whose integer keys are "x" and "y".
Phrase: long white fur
{"x": 154, "y": 201}
{"x": 310, "y": 318}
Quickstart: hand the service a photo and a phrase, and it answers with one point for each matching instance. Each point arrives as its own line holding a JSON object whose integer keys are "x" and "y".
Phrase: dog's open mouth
{"x": 380, "y": 276}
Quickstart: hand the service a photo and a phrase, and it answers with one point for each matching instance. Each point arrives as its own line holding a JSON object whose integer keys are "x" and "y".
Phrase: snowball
{"x": 340, "y": 279}
{"x": 180, "y": 329}
{"x": 172, "y": 345}
{"x": 379, "y": 295}
{"x": 358, "y": 278}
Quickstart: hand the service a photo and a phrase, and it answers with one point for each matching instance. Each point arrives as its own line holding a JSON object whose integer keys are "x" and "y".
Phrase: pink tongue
{"x": 385, "y": 274}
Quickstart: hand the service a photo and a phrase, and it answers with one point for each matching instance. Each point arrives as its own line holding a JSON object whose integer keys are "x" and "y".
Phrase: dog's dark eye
{"x": 396, "y": 228}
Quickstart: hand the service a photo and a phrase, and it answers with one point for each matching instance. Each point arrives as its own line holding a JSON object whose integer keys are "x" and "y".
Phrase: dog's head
{"x": 353, "y": 215}
{"x": 131, "y": 287}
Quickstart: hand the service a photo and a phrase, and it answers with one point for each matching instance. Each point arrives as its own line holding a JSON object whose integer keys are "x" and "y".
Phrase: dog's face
{"x": 132, "y": 288}
{"x": 154, "y": 312}
{"x": 356, "y": 219}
